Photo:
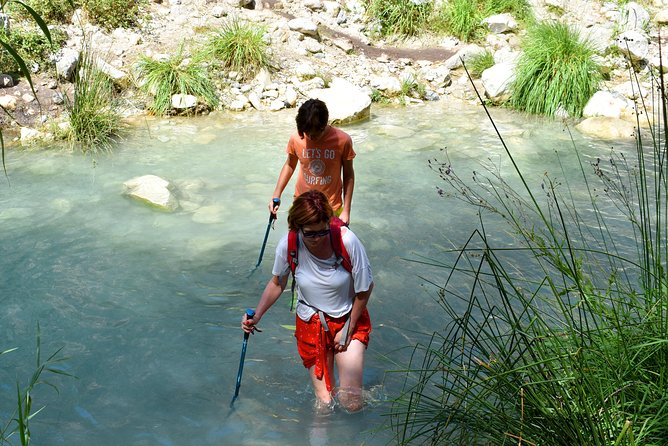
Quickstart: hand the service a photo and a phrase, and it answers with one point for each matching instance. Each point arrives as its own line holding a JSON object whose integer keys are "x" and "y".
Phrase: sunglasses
{"x": 315, "y": 234}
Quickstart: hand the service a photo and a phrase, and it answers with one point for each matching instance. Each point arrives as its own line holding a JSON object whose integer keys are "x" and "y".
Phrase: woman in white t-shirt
{"x": 325, "y": 290}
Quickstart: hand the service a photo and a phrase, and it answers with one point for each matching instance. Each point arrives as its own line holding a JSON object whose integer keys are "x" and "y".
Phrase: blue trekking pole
{"x": 249, "y": 315}
{"x": 272, "y": 217}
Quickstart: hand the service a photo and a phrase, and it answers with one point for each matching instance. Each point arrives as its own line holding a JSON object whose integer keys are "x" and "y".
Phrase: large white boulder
{"x": 607, "y": 103}
{"x": 345, "y": 101}
{"x": 497, "y": 81}
{"x": 607, "y": 128}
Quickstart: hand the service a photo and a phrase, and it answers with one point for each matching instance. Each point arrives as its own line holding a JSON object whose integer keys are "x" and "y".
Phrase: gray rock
{"x": 66, "y": 62}
{"x": 500, "y": 23}
{"x": 634, "y": 17}
{"x": 497, "y": 81}
{"x": 6, "y": 81}
{"x": 304, "y": 26}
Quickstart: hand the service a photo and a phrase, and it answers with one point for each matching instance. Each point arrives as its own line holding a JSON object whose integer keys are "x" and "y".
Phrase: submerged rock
{"x": 153, "y": 190}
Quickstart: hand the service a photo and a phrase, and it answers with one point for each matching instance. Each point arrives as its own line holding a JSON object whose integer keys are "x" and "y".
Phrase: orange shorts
{"x": 313, "y": 342}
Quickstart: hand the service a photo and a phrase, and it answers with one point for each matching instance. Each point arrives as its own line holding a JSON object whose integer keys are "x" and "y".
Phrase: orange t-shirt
{"x": 321, "y": 163}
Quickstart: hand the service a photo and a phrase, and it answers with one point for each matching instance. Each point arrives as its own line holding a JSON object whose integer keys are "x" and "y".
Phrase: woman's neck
{"x": 322, "y": 250}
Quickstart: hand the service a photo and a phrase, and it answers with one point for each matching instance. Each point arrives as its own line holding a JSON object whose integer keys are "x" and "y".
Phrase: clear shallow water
{"x": 146, "y": 305}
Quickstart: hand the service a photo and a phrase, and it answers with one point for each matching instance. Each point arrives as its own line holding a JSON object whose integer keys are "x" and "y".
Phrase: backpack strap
{"x": 342, "y": 256}
{"x": 293, "y": 249}
{"x": 339, "y": 248}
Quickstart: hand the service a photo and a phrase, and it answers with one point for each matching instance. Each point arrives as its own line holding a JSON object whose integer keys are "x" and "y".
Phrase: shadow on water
{"x": 147, "y": 304}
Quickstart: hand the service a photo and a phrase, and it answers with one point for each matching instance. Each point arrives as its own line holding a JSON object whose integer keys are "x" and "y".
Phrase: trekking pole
{"x": 249, "y": 315}
{"x": 272, "y": 217}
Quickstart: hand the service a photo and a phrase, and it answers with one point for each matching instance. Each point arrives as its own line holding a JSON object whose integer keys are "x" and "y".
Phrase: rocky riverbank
{"x": 315, "y": 42}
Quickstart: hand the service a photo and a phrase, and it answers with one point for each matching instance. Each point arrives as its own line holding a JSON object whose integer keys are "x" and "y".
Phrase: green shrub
{"x": 556, "y": 70}
{"x": 519, "y": 9}
{"x": 94, "y": 121}
{"x": 176, "y": 75}
{"x": 112, "y": 14}
{"x": 480, "y": 62}
{"x": 461, "y": 18}
{"x": 411, "y": 87}
{"x": 239, "y": 46}
{"x": 23, "y": 68}
{"x": 32, "y": 45}
{"x": 403, "y": 17}
{"x": 52, "y": 11}
{"x": 377, "y": 96}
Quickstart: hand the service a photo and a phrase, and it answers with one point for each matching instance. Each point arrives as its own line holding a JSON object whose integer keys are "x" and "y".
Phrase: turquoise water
{"x": 146, "y": 305}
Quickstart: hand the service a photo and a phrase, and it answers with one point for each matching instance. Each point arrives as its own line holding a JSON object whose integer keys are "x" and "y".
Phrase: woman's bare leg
{"x": 350, "y": 365}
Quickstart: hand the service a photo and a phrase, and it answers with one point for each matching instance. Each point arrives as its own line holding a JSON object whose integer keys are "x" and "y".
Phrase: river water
{"x": 146, "y": 304}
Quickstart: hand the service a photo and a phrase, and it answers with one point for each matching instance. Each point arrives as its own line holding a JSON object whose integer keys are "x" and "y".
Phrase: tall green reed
{"x": 571, "y": 347}
{"x": 92, "y": 111}
{"x": 19, "y": 421}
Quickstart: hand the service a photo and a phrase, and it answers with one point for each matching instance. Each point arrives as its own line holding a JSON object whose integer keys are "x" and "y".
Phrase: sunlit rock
{"x": 153, "y": 190}
{"x": 497, "y": 81}
{"x": 183, "y": 101}
{"x": 346, "y": 102}
{"x": 28, "y": 134}
{"x": 500, "y": 23}
{"x": 607, "y": 103}
{"x": 633, "y": 44}
{"x": 8, "y": 102}
{"x": 304, "y": 26}
{"x": 607, "y": 128}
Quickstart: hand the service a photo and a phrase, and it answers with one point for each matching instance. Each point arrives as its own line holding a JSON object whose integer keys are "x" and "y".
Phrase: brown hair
{"x": 311, "y": 207}
{"x": 311, "y": 116}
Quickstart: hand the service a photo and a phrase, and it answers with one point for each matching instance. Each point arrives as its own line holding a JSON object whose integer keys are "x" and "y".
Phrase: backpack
{"x": 342, "y": 256}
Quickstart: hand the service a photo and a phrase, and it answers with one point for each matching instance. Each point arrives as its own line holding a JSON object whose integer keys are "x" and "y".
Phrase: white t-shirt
{"x": 325, "y": 284}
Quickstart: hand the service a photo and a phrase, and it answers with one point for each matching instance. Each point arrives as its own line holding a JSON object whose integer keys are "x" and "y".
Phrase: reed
{"x": 19, "y": 421}
{"x": 571, "y": 348}
{"x": 92, "y": 113}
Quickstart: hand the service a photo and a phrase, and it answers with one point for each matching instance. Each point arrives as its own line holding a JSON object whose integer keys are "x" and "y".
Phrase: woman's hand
{"x": 274, "y": 205}
{"x": 248, "y": 325}
{"x": 338, "y": 347}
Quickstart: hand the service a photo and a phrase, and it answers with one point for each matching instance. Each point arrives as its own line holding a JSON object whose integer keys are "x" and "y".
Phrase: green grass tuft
{"x": 94, "y": 120}
{"x": 240, "y": 47}
{"x": 480, "y": 62}
{"x": 556, "y": 70}
{"x": 111, "y": 14}
{"x": 162, "y": 79}
{"x": 403, "y": 17}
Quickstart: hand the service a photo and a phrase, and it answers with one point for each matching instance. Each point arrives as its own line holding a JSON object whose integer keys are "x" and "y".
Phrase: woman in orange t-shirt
{"x": 325, "y": 155}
